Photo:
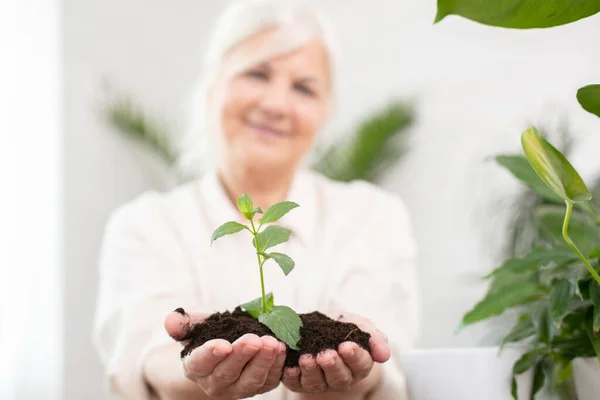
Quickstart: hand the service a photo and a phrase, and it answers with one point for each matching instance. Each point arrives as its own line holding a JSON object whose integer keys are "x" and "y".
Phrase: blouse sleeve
{"x": 143, "y": 276}
{"x": 380, "y": 283}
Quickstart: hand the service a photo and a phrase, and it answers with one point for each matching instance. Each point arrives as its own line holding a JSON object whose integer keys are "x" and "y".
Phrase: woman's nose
{"x": 276, "y": 99}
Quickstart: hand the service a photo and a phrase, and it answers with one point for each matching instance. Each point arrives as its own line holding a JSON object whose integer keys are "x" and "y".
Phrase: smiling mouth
{"x": 268, "y": 130}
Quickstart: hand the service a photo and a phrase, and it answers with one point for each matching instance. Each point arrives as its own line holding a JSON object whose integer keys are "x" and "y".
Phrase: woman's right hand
{"x": 249, "y": 366}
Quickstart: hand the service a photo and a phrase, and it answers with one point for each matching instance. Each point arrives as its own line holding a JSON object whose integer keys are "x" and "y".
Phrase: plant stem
{"x": 260, "y": 267}
{"x": 565, "y": 234}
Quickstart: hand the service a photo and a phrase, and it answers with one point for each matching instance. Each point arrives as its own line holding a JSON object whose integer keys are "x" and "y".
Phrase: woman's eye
{"x": 304, "y": 90}
{"x": 258, "y": 75}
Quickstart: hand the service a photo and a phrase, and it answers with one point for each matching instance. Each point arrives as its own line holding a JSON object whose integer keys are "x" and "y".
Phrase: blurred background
{"x": 91, "y": 98}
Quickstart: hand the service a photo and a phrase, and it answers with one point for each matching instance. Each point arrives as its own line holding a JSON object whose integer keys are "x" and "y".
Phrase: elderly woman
{"x": 267, "y": 93}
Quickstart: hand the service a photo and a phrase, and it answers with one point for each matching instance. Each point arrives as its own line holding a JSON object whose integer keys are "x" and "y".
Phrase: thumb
{"x": 179, "y": 323}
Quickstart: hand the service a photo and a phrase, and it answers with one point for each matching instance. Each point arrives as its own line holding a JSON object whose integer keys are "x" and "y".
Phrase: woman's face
{"x": 272, "y": 111}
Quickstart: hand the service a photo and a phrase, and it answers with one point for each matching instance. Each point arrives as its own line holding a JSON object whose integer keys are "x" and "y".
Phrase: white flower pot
{"x": 464, "y": 374}
{"x": 586, "y": 373}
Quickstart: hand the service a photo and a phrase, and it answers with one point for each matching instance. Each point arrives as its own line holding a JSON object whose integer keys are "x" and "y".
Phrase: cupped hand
{"x": 249, "y": 366}
{"x": 345, "y": 369}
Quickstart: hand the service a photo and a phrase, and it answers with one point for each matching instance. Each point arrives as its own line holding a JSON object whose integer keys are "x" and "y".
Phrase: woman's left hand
{"x": 350, "y": 368}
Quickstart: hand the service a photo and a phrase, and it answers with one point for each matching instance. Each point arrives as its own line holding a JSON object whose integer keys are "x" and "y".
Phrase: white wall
{"x": 476, "y": 88}
{"x": 31, "y": 329}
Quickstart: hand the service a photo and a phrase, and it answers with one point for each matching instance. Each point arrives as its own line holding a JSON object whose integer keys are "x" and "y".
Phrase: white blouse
{"x": 352, "y": 244}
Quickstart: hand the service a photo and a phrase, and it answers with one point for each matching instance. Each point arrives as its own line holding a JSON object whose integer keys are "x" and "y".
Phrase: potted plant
{"x": 308, "y": 333}
{"x": 555, "y": 286}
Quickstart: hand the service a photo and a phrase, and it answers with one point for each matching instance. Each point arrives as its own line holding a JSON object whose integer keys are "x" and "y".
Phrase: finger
{"x": 291, "y": 379}
{"x": 255, "y": 374}
{"x": 380, "y": 349}
{"x": 229, "y": 370}
{"x": 357, "y": 359}
{"x": 337, "y": 375}
{"x": 202, "y": 360}
{"x": 179, "y": 323}
{"x": 276, "y": 370}
{"x": 311, "y": 375}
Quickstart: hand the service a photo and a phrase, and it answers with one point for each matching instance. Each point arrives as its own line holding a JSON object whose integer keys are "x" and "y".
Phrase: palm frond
{"x": 370, "y": 150}
{"x": 133, "y": 122}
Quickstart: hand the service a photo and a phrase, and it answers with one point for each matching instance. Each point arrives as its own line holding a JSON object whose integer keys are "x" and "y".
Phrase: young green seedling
{"x": 284, "y": 322}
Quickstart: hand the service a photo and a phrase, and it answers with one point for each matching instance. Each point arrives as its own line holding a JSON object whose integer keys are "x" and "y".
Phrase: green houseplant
{"x": 555, "y": 285}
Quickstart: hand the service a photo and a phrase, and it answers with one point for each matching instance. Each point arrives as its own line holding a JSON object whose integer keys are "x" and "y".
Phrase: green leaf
{"x": 553, "y": 168}
{"x": 584, "y": 288}
{"x": 545, "y": 327}
{"x": 228, "y": 228}
{"x": 285, "y": 323}
{"x": 277, "y": 211}
{"x": 250, "y": 214}
{"x": 506, "y": 297}
{"x": 562, "y": 293}
{"x": 595, "y": 253}
{"x": 522, "y": 170}
{"x": 284, "y": 261}
{"x": 371, "y": 149}
{"x": 256, "y": 210}
{"x": 244, "y": 203}
{"x": 538, "y": 380}
{"x": 582, "y": 231}
{"x": 272, "y": 236}
{"x": 594, "y": 290}
{"x": 254, "y": 307}
{"x": 527, "y": 361}
{"x": 522, "y": 330}
{"x": 519, "y": 14}
{"x": 589, "y": 98}
{"x": 534, "y": 260}
{"x": 514, "y": 388}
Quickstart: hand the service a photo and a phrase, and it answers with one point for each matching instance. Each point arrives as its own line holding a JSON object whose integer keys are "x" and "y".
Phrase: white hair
{"x": 241, "y": 20}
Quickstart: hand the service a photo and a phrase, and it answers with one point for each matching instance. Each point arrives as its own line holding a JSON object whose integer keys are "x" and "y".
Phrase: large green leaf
{"x": 534, "y": 260}
{"x": 272, "y": 236}
{"x": 589, "y": 98}
{"x": 553, "y": 168}
{"x": 519, "y": 14}
{"x": 277, "y": 211}
{"x": 562, "y": 293}
{"x": 508, "y": 296}
{"x": 284, "y": 323}
{"x": 582, "y": 231}
{"x": 522, "y": 170}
